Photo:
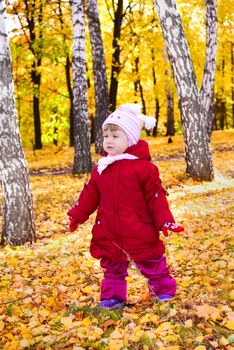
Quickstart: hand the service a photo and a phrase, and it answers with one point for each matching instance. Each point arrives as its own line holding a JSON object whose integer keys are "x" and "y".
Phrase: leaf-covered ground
{"x": 48, "y": 291}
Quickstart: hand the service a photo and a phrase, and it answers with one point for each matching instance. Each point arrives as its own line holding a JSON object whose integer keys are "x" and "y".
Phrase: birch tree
{"x": 82, "y": 158}
{"x": 99, "y": 72}
{"x": 192, "y": 102}
{"x": 18, "y": 221}
{"x": 207, "y": 88}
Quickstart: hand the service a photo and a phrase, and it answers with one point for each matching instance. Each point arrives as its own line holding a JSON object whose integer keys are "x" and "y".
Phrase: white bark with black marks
{"x": 207, "y": 88}
{"x": 82, "y": 158}
{"x": 193, "y": 113}
{"x": 18, "y": 221}
{"x": 99, "y": 72}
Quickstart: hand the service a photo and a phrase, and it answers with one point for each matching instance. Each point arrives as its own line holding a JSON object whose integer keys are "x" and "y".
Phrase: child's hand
{"x": 73, "y": 225}
{"x": 171, "y": 226}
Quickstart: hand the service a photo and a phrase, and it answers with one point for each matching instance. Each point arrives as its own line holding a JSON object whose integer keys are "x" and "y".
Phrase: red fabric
{"x": 73, "y": 225}
{"x": 132, "y": 208}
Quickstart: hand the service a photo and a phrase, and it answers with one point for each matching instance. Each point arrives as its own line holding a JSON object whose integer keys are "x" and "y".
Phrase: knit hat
{"x": 129, "y": 118}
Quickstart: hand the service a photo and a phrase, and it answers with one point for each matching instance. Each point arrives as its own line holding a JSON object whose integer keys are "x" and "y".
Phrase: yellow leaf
{"x": 116, "y": 335}
{"x": 13, "y": 319}
{"x": 38, "y": 330}
{"x": 165, "y": 326}
{"x": 13, "y": 345}
{"x": 115, "y": 344}
{"x": 25, "y": 343}
{"x": 173, "y": 312}
{"x": 44, "y": 312}
{"x": 88, "y": 289}
{"x": 50, "y": 301}
{"x": 214, "y": 344}
{"x": 145, "y": 319}
{"x": 2, "y": 325}
{"x": 200, "y": 347}
{"x": 223, "y": 341}
{"x": 232, "y": 294}
{"x": 230, "y": 325}
{"x": 188, "y": 323}
{"x": 154, "y": 319}
{"x": 184, "y": 284}
{"x": 14, "y": 261}
{"x": 10, "y": 336}
{"x": 67, "y": 322}
{"x": 200, "y": 338}
{"x": 86, "y": 321}
{"x": 171, "y": 338}
{"x": 209, "y": 330}
{"x": 208, "y": 312}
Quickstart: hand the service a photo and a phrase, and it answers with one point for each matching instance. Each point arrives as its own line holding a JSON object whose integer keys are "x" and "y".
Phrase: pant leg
{"x": 114, "y": 284}
{"x": 157, "y": 273}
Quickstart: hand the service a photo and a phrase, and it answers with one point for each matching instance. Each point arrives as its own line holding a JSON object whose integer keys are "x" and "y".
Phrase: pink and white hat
{"x": 129, "y": 118}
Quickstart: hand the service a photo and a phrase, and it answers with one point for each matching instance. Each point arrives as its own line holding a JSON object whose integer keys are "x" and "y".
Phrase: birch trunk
{"x": 82, "y": 158}
{"x": 207, "y": 88}
{"x": 193, "y": 113}
{"x": 18, "y": 221}
{"x": 99, "y": 71}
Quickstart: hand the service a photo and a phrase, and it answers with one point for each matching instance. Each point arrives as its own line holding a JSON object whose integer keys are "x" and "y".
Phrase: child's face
{"x": 115, "y": 142}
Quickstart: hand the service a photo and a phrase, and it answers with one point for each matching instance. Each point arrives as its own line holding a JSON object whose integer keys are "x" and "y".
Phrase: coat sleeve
{"x": 87, "y": 202}
{"x": 155, "y": 196}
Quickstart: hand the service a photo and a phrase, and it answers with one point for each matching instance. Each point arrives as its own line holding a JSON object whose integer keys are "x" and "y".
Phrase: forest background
{"x": 144, "y": 74}
{"x": 49, "y": 289}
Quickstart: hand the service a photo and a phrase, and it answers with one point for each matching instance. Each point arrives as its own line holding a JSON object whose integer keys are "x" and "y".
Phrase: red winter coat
{"x": 132, "y": 207}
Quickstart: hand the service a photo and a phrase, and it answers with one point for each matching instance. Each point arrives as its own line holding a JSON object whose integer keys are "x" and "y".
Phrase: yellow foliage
{"x": 188, "y": 323}
{"x": 2, "y": 325}
{"x": 230, "y": 325}
{"x": 208, "y": 312}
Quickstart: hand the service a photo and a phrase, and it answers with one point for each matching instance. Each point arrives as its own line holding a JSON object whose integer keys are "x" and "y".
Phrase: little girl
{"x": 132, "y": 208}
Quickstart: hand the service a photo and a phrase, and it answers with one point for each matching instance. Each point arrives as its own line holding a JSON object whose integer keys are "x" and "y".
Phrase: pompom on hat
{"x": 129, "y": 118}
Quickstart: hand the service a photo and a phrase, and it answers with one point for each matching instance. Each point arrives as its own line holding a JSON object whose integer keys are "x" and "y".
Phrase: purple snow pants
{"x": 155, "y": 270}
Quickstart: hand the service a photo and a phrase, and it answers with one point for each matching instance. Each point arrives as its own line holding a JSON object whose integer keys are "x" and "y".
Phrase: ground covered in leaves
{"x": 48, "y": 291}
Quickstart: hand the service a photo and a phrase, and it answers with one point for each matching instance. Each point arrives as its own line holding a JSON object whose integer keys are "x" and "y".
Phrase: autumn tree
{"x": 30, "y": 15}
{"x": 82, "y": 158}
{"x": 99, "y": 72}
{"x": 191, "y": 102}
{"x": 68, "y": 65}
{"x": 18, "y": 221}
